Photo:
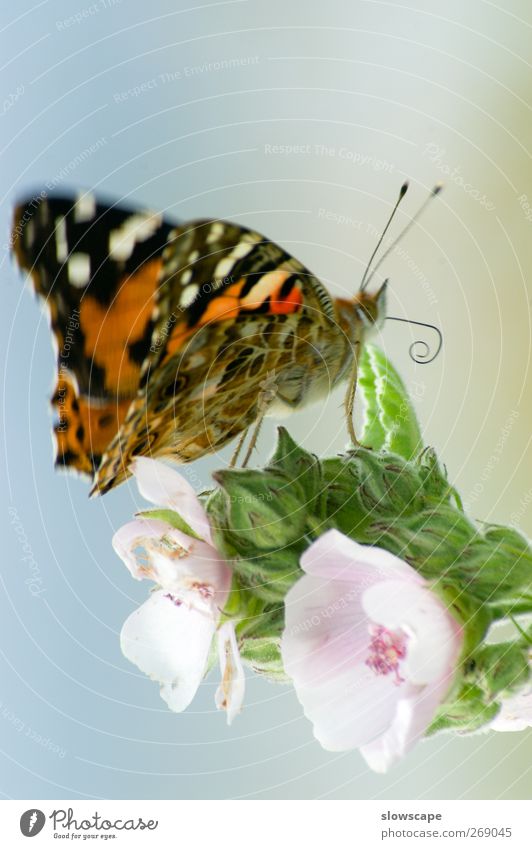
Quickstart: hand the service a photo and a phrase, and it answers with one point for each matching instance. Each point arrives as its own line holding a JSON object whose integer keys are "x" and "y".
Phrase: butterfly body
{"x": 173, "y": 340}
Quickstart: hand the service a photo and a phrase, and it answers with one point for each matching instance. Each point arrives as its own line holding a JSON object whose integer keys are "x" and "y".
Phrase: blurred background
{"x": 302, "y": 121}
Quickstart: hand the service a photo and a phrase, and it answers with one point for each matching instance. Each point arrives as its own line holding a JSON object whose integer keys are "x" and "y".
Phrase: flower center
{"x": 144, "y": 548}
{"x": 386, "y": 650}
{"x": 205, "y": 590}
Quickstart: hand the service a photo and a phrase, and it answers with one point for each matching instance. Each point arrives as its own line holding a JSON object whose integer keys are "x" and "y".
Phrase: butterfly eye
{"x": 371, "y": 309}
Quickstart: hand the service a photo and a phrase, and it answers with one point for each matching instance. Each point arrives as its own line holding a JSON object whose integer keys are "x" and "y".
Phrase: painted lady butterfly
{"x": 174, "y": 339}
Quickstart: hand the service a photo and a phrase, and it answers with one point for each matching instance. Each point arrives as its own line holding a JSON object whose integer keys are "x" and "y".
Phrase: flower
{"x": 169, "y": 637}
{"x": 516, "y": 712}
{"x": 370, "y": 648}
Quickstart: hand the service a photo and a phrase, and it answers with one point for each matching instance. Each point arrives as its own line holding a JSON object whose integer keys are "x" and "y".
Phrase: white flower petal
{"x": 126, "y": 544}
{"x": 178, "y": 563}
{"x": 385, "y": 750}
{"x": 326, "y": 630}
{"x": 199, "y": 573}
{"x": 433, "y": 636}
{"x": 352, "y": 709}
{"x": 337, "y": 557}
{"x": 230, "y": 694}
{"x": 170, "y": 642}
{"x": 324, "y": 646}
{"x": 515, "y": 713}
{"x": 165, "y": 487}
{"x": 373, "y": 689}
{"x": 413, "y": 716}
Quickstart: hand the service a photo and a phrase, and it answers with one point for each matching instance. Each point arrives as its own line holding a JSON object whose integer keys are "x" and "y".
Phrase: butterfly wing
{"x": 235, "y": 314}
{"x": 97, "y": 269}
{"x": 167, "y": 339}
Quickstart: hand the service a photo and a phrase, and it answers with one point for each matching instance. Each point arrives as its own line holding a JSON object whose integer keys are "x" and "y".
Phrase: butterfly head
{"x": 370, "y": 307}
{"x": 364, "y": 313}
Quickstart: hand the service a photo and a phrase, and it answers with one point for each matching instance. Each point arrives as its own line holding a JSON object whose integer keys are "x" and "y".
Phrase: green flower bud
{"x": 501, "y": 669}
{"x": 468, "y": 711}
{"x": 260, "y": 639}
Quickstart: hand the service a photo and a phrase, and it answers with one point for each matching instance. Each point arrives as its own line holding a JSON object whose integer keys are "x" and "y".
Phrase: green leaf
{"x": 171, "y": 518}
{"x": 390, "y": 422}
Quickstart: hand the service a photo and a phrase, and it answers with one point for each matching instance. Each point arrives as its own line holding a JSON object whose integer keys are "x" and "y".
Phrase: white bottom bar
{"x": 267, "y": 824}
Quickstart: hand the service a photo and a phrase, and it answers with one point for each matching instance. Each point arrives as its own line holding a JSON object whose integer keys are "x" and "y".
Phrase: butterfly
{"x": 175, "y": 338}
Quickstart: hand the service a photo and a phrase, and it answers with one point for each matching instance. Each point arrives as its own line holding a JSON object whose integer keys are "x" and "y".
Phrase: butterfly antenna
{"x": 402, "y": 193}
{"x": 435, "y": 191}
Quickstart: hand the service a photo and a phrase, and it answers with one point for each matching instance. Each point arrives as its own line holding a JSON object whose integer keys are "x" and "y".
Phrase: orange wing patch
{"x": 87, "y": 424}
{"x": 111, "y": 332}
{"x": 97, "y": 267}
{"x": 177, "y": 338}
{"x": 84, "y": 428}
{"x": 279, "y": 289}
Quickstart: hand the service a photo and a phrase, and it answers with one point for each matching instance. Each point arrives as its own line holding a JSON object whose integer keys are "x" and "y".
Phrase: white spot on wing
{"x": 137, "y": 228}
{"x": 85, "y": 207}
{"x": 120, "y": 247}
{"x": 241, "y": 250}
{"x": 61, "y": 242}
{"x": 186, "y": 277}
{"x": 224, "y": 268}
{"x": 188, "y": 295}
{"x": 215, "y": 232}
{"x": 79, "y": 269}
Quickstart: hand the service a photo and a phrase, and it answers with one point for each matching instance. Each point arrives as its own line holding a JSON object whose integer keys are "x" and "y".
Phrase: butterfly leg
{"x": 238, "y": 449}
{"x": 267, "y": 394}
{"x": 253, "y": 440}
{"x": 350, "y": 396}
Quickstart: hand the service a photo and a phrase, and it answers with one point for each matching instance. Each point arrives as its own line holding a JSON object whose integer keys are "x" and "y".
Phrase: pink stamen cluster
{"x": 205, "y": 590}
{"x": 387, "y": 649}
{"x": 174, "y": 599}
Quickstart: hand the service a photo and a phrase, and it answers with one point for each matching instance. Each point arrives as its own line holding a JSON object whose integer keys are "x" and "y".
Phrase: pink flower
{"x": 370, "y": 648}
{"x": 516, "y": 712}
{"x": 169, "y": 637}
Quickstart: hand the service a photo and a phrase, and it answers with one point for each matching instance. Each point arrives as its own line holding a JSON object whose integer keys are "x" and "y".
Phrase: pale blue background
{"x": 382, "y": 80}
